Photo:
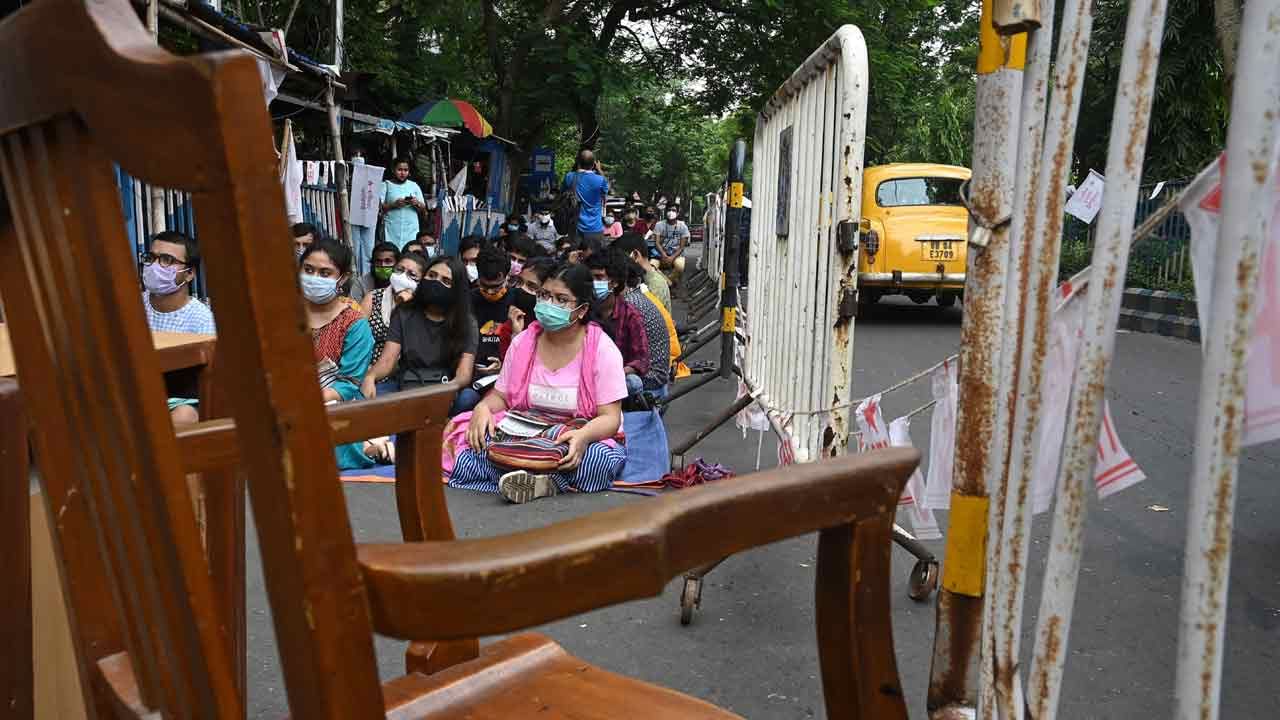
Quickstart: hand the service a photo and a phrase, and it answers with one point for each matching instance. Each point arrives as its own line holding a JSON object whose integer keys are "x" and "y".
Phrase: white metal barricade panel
{"x": 807, "y": 182}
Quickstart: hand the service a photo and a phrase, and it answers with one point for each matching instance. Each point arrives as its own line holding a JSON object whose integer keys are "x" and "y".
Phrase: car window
{"x": 902, "y": 192}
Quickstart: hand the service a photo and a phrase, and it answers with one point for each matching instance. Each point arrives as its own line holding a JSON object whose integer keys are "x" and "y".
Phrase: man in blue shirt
{"x": 591, "y": 188}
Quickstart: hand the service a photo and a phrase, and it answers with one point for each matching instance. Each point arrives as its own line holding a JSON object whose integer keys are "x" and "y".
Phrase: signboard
{"x": 366, "y": 194}
{"x": 1087, "y": 200}
{"x": 782, "y": 218}
{"x": 544, "y": 160}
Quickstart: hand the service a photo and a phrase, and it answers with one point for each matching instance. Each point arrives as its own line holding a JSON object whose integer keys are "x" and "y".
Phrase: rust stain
{"x": 1052, "y": 649}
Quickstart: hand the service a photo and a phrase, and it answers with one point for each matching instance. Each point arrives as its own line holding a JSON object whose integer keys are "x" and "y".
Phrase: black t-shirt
{"x": 489, "y": 315}
{"x": 423, "y": 345}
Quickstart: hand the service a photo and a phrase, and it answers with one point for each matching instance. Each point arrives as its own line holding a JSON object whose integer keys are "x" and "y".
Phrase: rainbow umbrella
{"x": 450, "y": 113}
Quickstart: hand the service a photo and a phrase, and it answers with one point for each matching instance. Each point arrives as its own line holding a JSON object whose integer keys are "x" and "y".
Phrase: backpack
{"x": 568, "y": 207}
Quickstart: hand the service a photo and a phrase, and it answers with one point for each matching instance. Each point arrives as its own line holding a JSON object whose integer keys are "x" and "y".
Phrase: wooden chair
{"x": 81, "y": 84}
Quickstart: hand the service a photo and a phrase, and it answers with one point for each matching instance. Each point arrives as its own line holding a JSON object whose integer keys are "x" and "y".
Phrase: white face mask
{"x": 671, "y": 216}
{"x": 608, "y": 219}
{"x": 473, "y": 273}
{"x": 358, "y": 160}
{"x": 432, "y": 250}
{"x": 544, "y": 219}
{"x": 400, "y": 281}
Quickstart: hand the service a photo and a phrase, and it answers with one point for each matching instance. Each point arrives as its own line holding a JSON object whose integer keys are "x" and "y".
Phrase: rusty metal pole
{"x": 955, "y": 652}
{"x": 731, "y": 245}
{"x": 1248, "y": 203}
{"x": 1126, "y": 150}
{"x": 1007, "y": 558}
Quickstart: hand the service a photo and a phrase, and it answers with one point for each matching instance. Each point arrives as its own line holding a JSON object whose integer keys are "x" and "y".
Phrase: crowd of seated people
{"x": 562, "y": 338}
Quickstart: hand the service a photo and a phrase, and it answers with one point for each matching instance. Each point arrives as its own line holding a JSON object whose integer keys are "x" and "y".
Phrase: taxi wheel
{"x": 947, "y": 300}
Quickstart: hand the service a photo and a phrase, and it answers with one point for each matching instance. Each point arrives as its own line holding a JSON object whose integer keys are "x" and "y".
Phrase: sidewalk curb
{"x": 1160, "y": 313}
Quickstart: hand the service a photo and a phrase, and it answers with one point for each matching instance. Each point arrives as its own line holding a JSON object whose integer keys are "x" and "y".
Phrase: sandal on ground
{"x": 521, "y": 486}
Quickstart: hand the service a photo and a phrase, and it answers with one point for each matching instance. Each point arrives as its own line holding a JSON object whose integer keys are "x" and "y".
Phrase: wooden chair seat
{"x": 529, "y": 676}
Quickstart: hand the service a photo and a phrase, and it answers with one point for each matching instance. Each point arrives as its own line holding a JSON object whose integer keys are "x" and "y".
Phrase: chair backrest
{"x": 82, "y": 84}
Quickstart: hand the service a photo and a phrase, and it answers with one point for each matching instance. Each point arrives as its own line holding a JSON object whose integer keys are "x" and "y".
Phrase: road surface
{"x": 752, "y": 647}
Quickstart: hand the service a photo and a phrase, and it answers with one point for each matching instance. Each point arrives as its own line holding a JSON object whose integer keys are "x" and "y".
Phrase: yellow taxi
{"x": 914, "y": 232}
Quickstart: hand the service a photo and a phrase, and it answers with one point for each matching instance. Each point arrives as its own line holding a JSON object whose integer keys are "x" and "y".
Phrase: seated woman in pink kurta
{"x": 563, "y": 366}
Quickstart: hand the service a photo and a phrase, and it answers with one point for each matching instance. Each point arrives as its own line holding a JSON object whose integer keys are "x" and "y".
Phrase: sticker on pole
{"x": 1202, "y": 206}
{"x": 735, "y": 195}
{"x": 1086, "y": 201}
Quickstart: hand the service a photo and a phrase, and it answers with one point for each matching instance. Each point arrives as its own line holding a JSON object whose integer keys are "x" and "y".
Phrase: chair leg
{"x": 424, "y": 516}
{"x": 17, "y": 681}
{"x": 855, "y": 631}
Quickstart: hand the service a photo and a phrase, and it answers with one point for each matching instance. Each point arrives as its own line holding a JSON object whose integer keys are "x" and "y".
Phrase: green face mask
{"x": 383, "y": 273}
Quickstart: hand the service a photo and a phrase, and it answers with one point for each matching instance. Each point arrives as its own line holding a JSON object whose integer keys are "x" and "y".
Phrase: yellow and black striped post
{"x": 729, "y": 279}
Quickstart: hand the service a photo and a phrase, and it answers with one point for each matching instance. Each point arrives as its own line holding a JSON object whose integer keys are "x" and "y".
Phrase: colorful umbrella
{"x": 450, "y": 113}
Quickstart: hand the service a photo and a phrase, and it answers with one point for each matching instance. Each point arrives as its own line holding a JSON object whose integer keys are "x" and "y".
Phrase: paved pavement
{"x": 752, "y": 647}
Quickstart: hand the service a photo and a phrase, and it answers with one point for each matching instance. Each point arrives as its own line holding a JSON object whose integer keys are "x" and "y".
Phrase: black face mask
{"x": 433, "y": 292}
{"x": 524, "y": 300}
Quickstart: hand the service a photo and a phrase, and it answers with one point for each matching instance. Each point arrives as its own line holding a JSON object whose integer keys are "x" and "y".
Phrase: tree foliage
{"x": 661, "y": 87}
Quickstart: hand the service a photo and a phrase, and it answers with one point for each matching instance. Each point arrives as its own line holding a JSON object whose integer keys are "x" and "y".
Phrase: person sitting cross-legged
{"x": 564, "y": 370}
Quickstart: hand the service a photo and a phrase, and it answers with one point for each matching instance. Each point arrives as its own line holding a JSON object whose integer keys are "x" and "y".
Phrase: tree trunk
{"x": 1227, "y": 23}
{"x": 589, "y": 123}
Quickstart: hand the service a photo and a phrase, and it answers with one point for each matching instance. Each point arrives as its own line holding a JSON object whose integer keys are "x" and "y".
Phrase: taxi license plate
{"x": 944, "y": 250}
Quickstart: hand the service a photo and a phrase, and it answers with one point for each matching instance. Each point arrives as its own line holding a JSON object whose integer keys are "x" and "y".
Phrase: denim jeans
{"x": 467, "y": 399}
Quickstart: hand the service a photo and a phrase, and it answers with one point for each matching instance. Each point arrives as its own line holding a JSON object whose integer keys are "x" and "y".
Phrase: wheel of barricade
{"x": 923, "y": 581}
{"x": 690, "y": 598}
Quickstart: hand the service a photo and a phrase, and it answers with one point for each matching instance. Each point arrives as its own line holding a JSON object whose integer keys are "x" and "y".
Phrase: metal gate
{"x": 806, "y": 194}
{"x": 1024, "y": 135}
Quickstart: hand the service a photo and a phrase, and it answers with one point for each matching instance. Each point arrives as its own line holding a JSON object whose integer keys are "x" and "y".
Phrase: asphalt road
{"x": 752, "y": 646}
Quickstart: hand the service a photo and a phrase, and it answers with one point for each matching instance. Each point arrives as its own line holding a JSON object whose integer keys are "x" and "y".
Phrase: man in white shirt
{"x": 168, "y": 269}
{"x": 671, "y": 236}
{"x": 543, "y": 231}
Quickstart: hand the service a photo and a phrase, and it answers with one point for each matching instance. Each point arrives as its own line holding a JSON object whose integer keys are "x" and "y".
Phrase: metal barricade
{"x": 1015, "y": 231}
{"x": 712, "y": 258}
{"x": 320, "y": 208}
{"x": 806, "y": 192}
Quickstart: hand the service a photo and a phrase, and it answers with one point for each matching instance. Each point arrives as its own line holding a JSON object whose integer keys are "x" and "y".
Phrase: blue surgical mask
{"x": 552, "y": 316}
{"x": 318, "y": 290}
{"x": 600, "y": 288}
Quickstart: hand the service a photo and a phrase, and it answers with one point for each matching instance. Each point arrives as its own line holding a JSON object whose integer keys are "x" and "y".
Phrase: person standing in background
{"x": 543, "y": 231}
{"x": 592, "y": 188}
{"x": 402, "y": 200}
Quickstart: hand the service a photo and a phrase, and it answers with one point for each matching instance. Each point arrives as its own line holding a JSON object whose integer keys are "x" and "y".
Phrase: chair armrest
{"x": 431, "y": 591}
{"x": 212, "y": 445}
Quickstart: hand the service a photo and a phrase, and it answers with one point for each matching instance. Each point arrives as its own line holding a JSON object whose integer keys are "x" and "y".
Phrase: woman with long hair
{"x": 432, "y": 338}
{"x": 342, "y": 339}
{"x": 566, "y": 372}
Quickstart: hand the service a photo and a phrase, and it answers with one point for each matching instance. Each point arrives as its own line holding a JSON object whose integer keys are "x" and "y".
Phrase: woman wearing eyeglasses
{"x": 432, "y": 337}
{"x": 563, "y": 367}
